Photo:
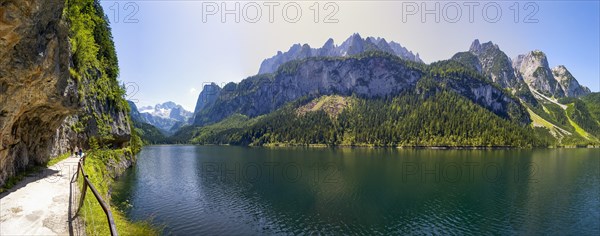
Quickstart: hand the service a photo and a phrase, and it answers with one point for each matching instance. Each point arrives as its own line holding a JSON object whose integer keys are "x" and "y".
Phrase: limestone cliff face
{"x": 534, "y": 68}
{"x": 494, "y": 63}
{"x": 207, "y": 98}
{"x": 568, "y": 83}
{"x": 65, "y": 137}
{"x": 40, "y": 102}
{"x": 525, "y": 72}
{"x": 36, "y": 91}
{"x": 261, "y": 94}
{"x": 373, "y": 76}
{"x": 76, "y": 129}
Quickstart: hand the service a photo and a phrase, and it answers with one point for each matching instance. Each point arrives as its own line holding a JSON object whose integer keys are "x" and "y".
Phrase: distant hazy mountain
{"x": 149, "y": 133}
{"x": 164, "y": 116}
{"x": 352, "y": 46}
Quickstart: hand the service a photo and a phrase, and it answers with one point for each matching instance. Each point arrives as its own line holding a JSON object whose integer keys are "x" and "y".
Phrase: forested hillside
{"x": 479, "y": 98}
{"x": 442, "y": 119}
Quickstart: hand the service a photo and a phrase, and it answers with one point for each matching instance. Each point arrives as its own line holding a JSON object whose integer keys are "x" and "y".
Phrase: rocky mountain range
{"x": 515, "y": 89}
{"x": 530, "y": 69}
{"x": 491, "y": 61}
{"x": 167, "y": 116}
{"x": 374, "y": 77}
{"x": 354, "y": 45}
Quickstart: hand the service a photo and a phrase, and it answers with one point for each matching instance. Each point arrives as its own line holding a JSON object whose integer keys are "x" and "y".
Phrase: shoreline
{"x": 438, "y": 147}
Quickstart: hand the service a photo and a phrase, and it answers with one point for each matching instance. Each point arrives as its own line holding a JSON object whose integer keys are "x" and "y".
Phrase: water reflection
{"x": 235, "y": 190}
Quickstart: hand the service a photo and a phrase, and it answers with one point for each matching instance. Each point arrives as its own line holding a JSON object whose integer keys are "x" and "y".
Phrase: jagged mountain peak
{"x": 211, "y": 86}
{"x": 328, "y": 49}
{"x": 163, "y": 116}
{"x": 526, "y": 70}
{"x": 530, "y": 69}
{"x": 329, "y": 43}
{"x": 533, "y": 67}
{"x": 568, "y": 83}
{"x": 538, "y": 54}
{"x": 478, "y": 48}
{"x": 561, "y": 70}
{"x": 166, "y": 105}
{"x": 353, "y": 45}
{"x": 354, "y": 36}
{"x": 373, "y": 39}
{"x": 475, "y": 46}
{"x": 295, "y": 48}
{"x": 532, "y": 58}
{"x": 535, "y": 56}
{"x": 557, "y": 81}
{"x": 404, "y": 52}
{"x": 488, "y": 59}
{"x": 370, "y": 77}
{"x": 561, "y": 67}
{"x": 165, "y": 109}
{"x": 377, "y": 41}
{"x": 382, "y": 44}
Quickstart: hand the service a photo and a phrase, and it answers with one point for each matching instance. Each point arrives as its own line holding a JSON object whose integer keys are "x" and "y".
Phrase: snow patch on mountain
{"x": 165, "y": 116}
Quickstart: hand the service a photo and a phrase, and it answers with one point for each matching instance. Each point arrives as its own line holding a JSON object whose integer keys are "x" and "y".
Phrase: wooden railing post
{"x": 87, "y": 184}
{"x": 83, "y": 189}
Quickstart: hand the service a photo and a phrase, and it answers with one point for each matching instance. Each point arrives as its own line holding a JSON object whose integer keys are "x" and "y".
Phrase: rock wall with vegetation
{"x": 36, "y": 91}
{"x": 367, "y": 75}
{"x": 58, "y": 82}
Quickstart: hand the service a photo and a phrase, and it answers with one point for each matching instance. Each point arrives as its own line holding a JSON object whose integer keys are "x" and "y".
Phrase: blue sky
{"x": 168, "y": 50}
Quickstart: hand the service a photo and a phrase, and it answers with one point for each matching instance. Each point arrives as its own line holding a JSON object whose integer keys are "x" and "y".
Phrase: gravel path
{"x": 40, "y": 203}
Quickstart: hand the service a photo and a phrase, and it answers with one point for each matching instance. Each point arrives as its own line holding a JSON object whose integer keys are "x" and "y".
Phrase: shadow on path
{"x": 43, "y": 203}
{"x": 33, "y": 177}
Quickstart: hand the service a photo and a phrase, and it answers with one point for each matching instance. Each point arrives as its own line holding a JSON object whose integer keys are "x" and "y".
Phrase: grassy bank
{"x": 57, "y": 159}
{"x": 101, "y": 166}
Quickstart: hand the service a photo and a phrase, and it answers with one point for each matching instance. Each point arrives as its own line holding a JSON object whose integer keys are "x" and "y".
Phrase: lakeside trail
{"x": 42, "y": 203}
